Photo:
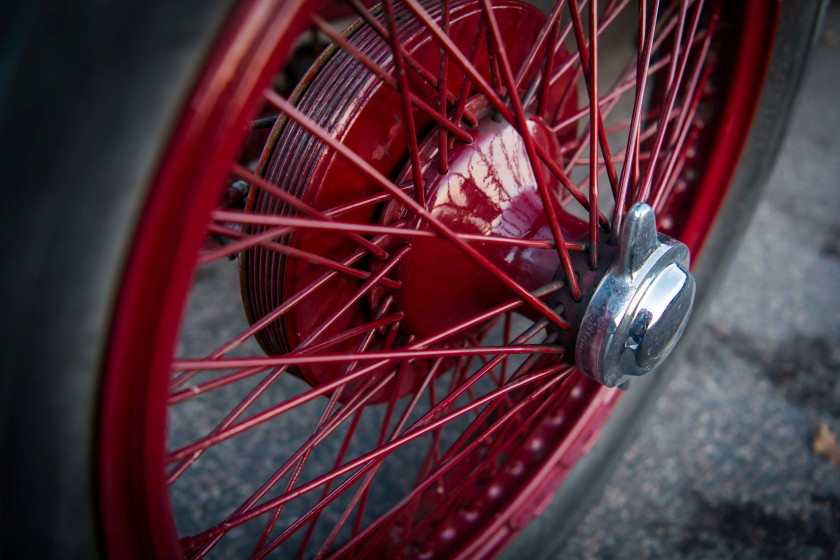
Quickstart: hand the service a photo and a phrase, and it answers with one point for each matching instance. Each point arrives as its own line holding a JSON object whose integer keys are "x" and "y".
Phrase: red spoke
{"x": 528, "y": 141}
{"x": 583, "y": 141}
{"x": 610, "y": 14}
{"x": 305, "y": 223}
{"x": 430, "y": 415}
{"x": 366, "y": 202}
{"x": 243, "y": 241}
{"x": 470, "y": 382}
{"x": 590, "y": 78}
{"x": 313, "y": 393}
{"x": 425, "y": 419}
{"x": 495, "y": 71}
{"x": 369, "y": 388}
{"x": 594, "y": 117}
{"x": 666, "y": 26}
{"x": 362, "y": 493}
{"x": 545, "y": 41}
{"x": 506, "y": 337}
{"x": 467, "y": 434}
{"x": 196, "y": 390}
{"x": 459, "y": 374}
{"x": 310, "y": 514}
{"x": 270, "y": 317}
{"x": 387, "y": 185}
{"x": 369, "y": 459}
{"x": 695, "y": 86}
{"x": 644, "y": 156}
{"x": 463, "y": 95}
{"x": 426, "y": 384}
{"x": 289, "y": 360}
{"x": 678, "y": 33}
{"x": 385, "y": 35}
{"x": 498, "y": 380}
{"x": 642, "y": 74}
{"x": 248, "y": 241}
{"x": 623, "y": 87}
{"x": 668, "y": 184}
{"x": 545, "y": 86}
{"x": 224, "y": 380}
{"x": 391, "y": 514}
{"x": 326, "y": 490}
{"x": 387, "y": 79}
{"x": 363, "y": 290}
{"x": 647, "y": 181}
{"x": 269, "y": 526}
{"x": 497, "y": 102}
{"x": 214, "y": 534}
{"x": 433, "y": 451}
{"x": 510, "y": 431}
{"x": 327, "y": 498}
{"x": 408, "y": 115}
{"x": 458, "y": 57}
{"x": 325, "y": 416}
{"x": 360, "y": 496}
{"x": 228, "y": 422}
{"x": 572, "y": 189}
{"x": 443, "y": 139}
{"x": 571, "y": 84}
{"x": 298, "y": 204}
{"x": 647, "y": 133}
{"x": 187, "y": 459}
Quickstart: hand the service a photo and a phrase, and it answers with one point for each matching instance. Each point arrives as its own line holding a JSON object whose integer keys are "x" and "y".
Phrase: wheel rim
{"x": 475, "y": 496}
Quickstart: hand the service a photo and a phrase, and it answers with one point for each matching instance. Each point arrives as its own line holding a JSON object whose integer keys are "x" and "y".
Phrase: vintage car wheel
{"x": 336, "y": 310}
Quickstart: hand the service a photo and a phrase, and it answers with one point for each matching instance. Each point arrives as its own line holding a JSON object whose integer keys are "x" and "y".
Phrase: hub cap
{"x": 641, "y": 306}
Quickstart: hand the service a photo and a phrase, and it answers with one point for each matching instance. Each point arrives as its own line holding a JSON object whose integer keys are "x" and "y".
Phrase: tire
{"x": 104, "y": 121}
{"x": 68, "y": 108}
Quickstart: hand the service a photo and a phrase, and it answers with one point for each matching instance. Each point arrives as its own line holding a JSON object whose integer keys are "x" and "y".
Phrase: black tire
{"x": 89, "y": 93}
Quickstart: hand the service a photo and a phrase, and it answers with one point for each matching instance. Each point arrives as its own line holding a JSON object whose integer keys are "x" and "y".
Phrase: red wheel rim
{"x": 472, "y": 498}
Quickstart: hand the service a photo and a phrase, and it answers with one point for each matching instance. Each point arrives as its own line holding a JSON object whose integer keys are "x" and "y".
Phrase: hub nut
{"x": 640, "y": 307}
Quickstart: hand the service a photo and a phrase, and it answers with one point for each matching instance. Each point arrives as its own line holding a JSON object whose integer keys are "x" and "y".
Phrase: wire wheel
{"x": 405, "y": 225}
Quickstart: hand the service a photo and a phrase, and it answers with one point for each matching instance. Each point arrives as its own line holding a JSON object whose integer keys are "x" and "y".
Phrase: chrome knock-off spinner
{"x": 640, "y": 307}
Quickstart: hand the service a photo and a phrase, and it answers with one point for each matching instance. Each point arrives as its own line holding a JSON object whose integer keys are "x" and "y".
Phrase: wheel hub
{"x": 640, "y": 307}
{"x": 365, "y": 114}
{"x": 488, "y": 190}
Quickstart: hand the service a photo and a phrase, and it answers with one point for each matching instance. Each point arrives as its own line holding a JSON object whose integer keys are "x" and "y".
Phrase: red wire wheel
{"x": 399, "y": 382}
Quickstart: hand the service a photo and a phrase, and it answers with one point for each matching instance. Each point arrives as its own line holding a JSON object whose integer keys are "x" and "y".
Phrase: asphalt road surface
{"x": 725, "y": 466}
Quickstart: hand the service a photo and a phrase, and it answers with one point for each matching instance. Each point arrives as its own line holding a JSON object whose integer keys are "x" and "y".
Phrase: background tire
{"x": 89, "y": 95}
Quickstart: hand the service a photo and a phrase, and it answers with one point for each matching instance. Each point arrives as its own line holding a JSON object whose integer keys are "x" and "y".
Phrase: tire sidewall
{"x": 90, "y": 95}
